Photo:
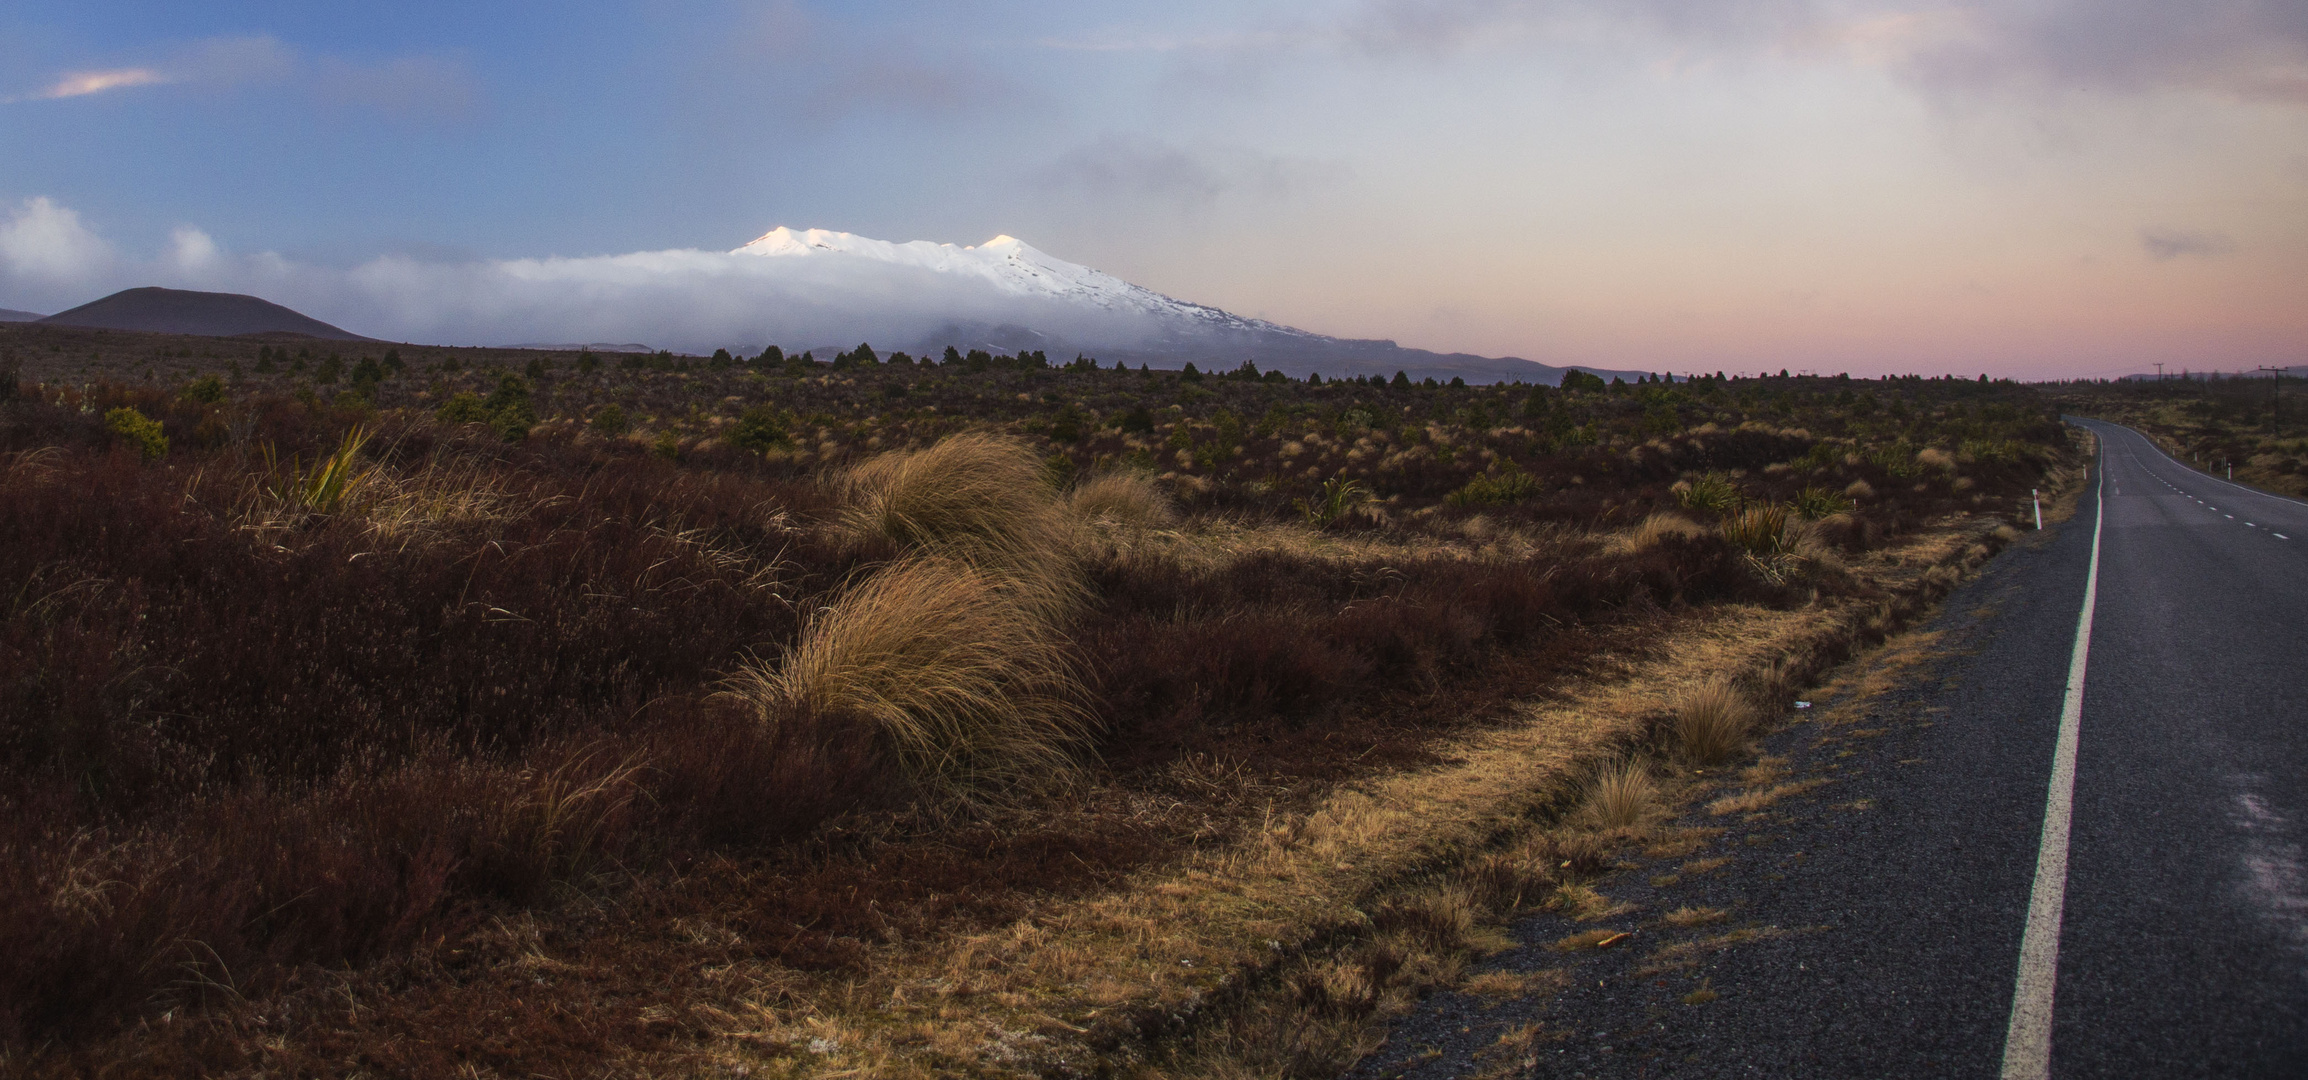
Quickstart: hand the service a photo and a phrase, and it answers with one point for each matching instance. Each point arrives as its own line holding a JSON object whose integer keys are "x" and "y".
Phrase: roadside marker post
{"x": 2039, "y": 501}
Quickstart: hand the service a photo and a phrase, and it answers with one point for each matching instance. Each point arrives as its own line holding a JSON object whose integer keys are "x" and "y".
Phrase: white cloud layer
{"x": 684, "y": 299}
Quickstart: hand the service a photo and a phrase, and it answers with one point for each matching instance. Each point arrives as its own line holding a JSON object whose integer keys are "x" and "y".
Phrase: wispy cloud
{"x": 1189, "y": 178}
{"x": 84, "y": 83}
{"x": 411, "y": 86}
{"x": 2166, "y": 244}
{"x": 2245, "y": 48}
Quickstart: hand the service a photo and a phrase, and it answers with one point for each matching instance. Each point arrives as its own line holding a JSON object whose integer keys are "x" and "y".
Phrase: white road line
{"x": 2027, "y": 1044}
{"x": 2281, "y": 536}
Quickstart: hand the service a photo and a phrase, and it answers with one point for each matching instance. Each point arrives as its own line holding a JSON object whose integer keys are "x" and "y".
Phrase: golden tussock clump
{"x": 975, "y": 489}
{"x": 1712, "y": 721}
{"x": 1654, "y": 529}
{"x": 973, "y": 690}
{"x": 1621, "y": 796}
{"x": 978, "y": 498}
{"x": 1129, "y": 499}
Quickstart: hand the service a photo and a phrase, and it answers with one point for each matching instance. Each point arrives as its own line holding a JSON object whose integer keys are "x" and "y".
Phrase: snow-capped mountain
{"x": 1014, "y": 266}
{"x": 1112, "y": 319}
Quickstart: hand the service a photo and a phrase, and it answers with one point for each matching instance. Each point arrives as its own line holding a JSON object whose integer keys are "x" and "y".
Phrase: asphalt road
{"x": 1872, "y": 926}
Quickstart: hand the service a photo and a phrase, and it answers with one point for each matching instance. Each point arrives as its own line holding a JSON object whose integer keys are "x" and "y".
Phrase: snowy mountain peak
{"x": 1007, "y": 263}
{"x": 1007, "y": 290}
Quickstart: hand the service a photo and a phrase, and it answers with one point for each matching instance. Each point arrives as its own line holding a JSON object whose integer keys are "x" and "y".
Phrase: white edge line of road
{"x": 2027, "y": 1045}
{"x": 2198, "y": 472}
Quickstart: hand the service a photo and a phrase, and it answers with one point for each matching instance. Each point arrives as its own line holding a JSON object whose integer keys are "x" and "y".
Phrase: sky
{"x": 2032, "y": 188}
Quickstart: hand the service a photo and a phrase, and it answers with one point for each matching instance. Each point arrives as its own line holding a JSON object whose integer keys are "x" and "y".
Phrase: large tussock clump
{"x": 976, "y": 498}
{"x": 974, "y": 691}
{"x": 955, "y": 655}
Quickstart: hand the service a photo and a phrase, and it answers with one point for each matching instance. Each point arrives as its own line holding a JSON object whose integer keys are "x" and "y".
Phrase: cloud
{"x": 45, "y": 249}
{"x": 1190, "y": 179}
{"x": 83, "y": 83}
{"x": 410, "y": 86}
{"x": 680, "y": 299}
{"x": 2164, "y": 244}
{"x": 2245, "y": 48}
{"x": 192, "y": 251}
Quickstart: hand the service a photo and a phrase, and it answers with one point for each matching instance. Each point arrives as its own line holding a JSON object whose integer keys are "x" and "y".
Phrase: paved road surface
{"x": 1888, "y": 907}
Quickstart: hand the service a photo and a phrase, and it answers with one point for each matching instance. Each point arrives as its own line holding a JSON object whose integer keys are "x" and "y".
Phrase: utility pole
{"x": 2275, "y": 397}
{"x": 2159, "y": 372}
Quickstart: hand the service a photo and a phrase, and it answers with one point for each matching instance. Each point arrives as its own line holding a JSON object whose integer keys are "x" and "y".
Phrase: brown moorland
{"x": 427, "y": 711}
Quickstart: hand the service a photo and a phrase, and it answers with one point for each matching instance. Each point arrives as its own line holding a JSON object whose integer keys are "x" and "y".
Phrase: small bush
{"x": 760, "y": 430}
{"x": 206, "y": 390}
{"x": 1761, "y": 529}
{"x": 1814, "y": 503}
{"x": 1713, "y": 493}
{"x": 465, "y": 408}
{"x": 1712, "y": 721}
{"x": 610, "y": 421}
{"x": 506, "y": 410}
{"x": 1338, "y": 498}
{"x": 1501, "y": 487}
{"x": 138, "y": 430}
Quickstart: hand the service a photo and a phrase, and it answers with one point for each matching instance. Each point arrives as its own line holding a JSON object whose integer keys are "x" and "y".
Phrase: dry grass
{"x": 1622, "y": 796}
{"x": 1654, "y": 529}
{"x": 978, "y": 498}
{"x": 1125, "y": 499}
{"x": 1747, "y": 802}
{"x": 1513, "y": 984}
{"x": 974, "y": 691}
{"x": 1712, "y": 721}
{"x": 1691, "y": 916}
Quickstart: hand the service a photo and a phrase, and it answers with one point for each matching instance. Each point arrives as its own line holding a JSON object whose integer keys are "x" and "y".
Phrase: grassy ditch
{"x": 370, "y": 735}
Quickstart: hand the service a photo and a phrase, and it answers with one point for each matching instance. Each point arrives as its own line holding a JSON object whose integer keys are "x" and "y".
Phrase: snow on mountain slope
{"x": 1016, "y": 268}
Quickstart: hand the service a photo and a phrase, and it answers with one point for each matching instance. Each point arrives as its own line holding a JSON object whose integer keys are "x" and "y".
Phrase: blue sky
{"x": 2061, "y": 186}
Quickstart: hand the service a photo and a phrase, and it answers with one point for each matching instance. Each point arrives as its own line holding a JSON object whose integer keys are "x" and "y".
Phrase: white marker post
{"x": 2038, "y": 500}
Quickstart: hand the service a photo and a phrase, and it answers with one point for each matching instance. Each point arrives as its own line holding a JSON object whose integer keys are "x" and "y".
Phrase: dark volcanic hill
{"x": 12, "y": 315}
{"x": 182, "y": 311}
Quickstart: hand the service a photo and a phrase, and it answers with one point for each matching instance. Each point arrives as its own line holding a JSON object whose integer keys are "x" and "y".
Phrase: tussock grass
{"x": 973, "y": 690}
{"x": 976, "y": 498}
{"x": 1622, "y": 796}
{"x": 1712, "y": 721}
{"x": 1127, "y": 499}
{"x": 1654, "y": 529}
{"x": 975, "y": 490}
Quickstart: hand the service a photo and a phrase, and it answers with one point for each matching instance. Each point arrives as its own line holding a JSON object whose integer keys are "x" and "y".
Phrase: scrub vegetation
{"x": 409, "y": 711}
